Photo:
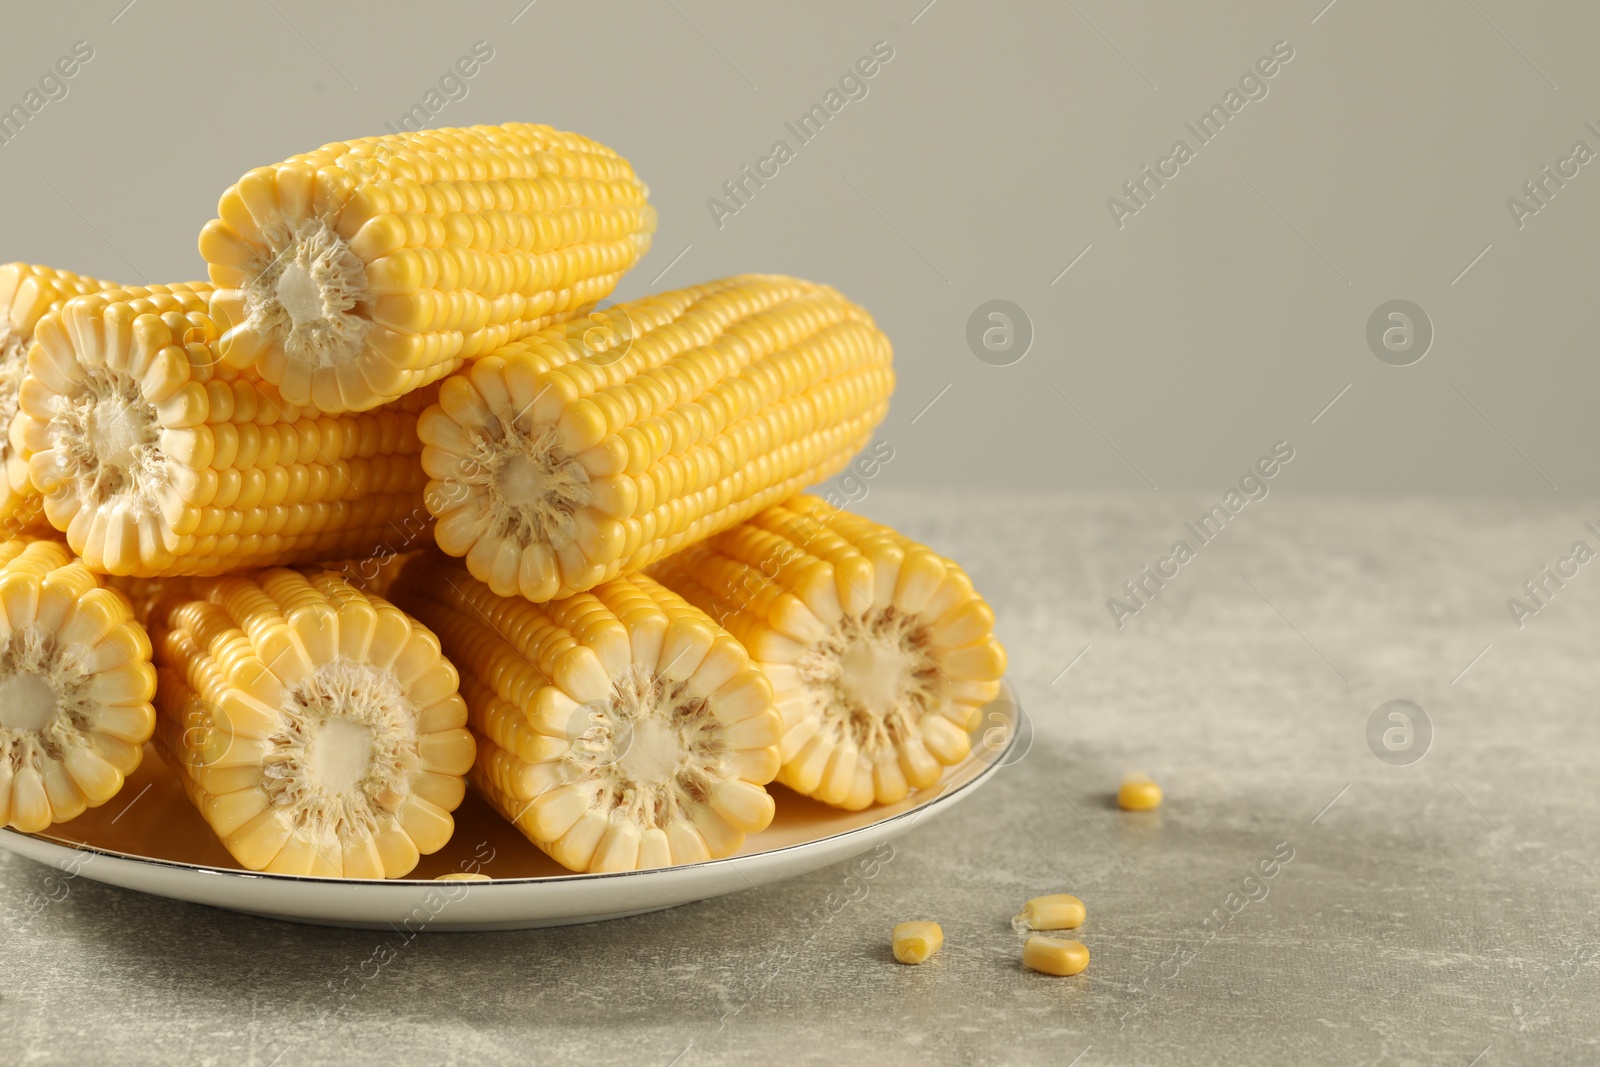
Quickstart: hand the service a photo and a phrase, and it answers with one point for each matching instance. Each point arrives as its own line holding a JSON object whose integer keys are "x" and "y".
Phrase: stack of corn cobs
{"x": 390, "y": 505}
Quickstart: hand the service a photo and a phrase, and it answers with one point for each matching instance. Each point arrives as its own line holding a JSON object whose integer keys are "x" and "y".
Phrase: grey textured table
{"x": 1431, "y": 913}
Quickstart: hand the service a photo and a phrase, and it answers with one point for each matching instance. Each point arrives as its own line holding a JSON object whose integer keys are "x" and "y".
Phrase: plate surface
{"x": 155, "y": 842}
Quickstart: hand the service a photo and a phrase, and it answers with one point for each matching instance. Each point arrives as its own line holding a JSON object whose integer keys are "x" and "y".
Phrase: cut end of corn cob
{"x": 27, "y": 294}
{"x": 156, "y": 458}
{"x": 879, "y": 651}
{"x": 318, "y": 730}
{"x": 618, "y": 729}
{"x": 589, "y": 451}
{"x": 75, "y": 687}
{"x": 353, "y": 274}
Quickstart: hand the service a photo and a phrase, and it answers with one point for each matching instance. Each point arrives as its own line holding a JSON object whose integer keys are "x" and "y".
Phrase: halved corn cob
{"x": 591, "y": 450}
{"x": 353, "y": 274}
{"x": 75, "y": 687}
{"x": 317, "y": 729}
{"x": 157, "y": 459}
{"x": 27, "y": 293}
{"x": 617, "y": 729}
{"x": 879, "y": 650}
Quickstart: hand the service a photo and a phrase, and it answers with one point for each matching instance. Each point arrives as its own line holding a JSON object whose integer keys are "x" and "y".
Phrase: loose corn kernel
{"x": 879, "y": 650}
{"x": 356, "y": 273}
{"x": 1138, "y": 793}
{"x": 463, "y": 876}
{"x": 592, "y": 449}
{"x": 1054, "y": 955}
{"x": 914, "y": 942}
{"x": 618, "y": 729}
{"x": 1059, "y": 911}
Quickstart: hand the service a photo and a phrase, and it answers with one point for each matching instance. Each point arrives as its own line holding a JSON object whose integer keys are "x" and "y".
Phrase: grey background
{"x": 1223, "y": 317}
{"x": 1440, "y": 912}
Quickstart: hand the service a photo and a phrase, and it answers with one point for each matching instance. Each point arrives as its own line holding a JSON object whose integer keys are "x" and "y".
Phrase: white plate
{"x": 157, "y": 843}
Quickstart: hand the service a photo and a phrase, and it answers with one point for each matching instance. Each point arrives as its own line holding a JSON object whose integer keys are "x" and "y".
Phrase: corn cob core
{"x": 618, "y": 729}
{"x": 879, "y": 651}
{"x": 157, "y": 459}
{"x": 317, "y": 729}
{"x": 595, "y": 448}
{"x": 27, "y": 293}
{"x": 353, "y": 274}
{"x": 75, "y": 687}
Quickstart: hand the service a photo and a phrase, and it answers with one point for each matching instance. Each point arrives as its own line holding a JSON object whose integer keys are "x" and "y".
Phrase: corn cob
{"x": 592, "y": 450}
{"x": 617, "y": 729}
{"x": 879, "y": 651}
{"x": 157, "y": 459}
{"x": 353, "y": 274}
{"x": 318, "y": 730}
{"x": 75, "y": 687}
{"x": 27, "y": 293}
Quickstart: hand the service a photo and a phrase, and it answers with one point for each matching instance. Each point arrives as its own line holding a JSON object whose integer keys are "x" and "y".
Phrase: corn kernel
{"x": 1054, "y": 955}
{"x": 1059, "y": 911}
{"x": 914, "y": 942}
{"x": 463, "y": 876}
{"x": 1138, "y": 793}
